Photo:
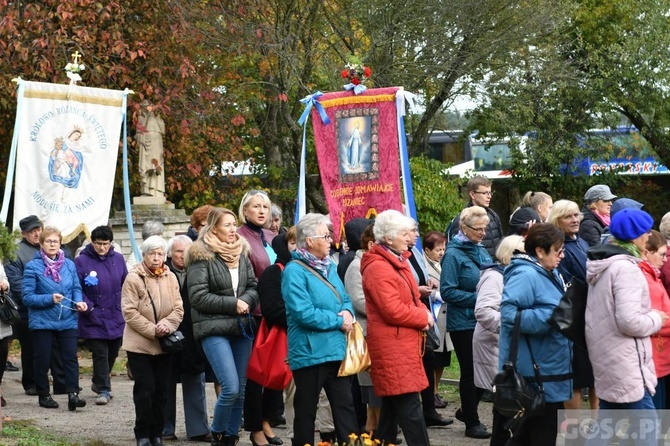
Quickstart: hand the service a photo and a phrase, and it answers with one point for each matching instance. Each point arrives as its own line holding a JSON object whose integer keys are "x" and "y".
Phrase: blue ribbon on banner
{"x": 358, "y": 89}
{"x": 311, "y": 101}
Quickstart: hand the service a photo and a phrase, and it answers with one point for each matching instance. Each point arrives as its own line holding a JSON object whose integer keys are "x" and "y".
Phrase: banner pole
{"x": 126, "y": 181}
{"x": 11, "y": 165}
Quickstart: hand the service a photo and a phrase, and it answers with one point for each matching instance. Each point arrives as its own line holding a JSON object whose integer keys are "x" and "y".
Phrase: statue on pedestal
{"x": 150, "y": 132}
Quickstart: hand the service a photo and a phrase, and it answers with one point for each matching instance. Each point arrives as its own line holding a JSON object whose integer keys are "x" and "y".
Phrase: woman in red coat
{"x": 397, "y": 321}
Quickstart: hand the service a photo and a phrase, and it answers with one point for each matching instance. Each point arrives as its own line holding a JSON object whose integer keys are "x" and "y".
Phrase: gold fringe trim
{"x": 358, "y": 100}
{"x": 80, "y": 228}
{"x": 372, "y": 213}
{"x": 86, "y": 99}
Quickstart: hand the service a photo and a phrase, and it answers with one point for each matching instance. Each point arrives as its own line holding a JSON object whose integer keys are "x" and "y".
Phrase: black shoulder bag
{"x": 569, "y": 316}
{"x": 173, "y": 342}
{"x": 9, "y": 311}
{"x": 514, "y": 396}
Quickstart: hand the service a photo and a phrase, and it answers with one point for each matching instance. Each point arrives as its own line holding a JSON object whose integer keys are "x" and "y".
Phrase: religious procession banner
{"x": 359, "y": 141}
{"x": 66, "y": 141}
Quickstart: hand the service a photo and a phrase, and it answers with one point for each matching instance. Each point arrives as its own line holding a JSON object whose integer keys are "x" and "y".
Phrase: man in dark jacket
{"x": 188, "y": 366}
{"x": 31, "y": 229}
{"x": 479, "y": 191}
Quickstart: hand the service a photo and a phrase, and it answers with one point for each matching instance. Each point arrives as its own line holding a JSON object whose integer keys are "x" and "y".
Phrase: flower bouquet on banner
{"x": 357, "y": 74}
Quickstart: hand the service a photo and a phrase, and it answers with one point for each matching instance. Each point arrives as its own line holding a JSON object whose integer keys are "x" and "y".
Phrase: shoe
{"x": 437, "y": 420}
{"x": 73, "y": 401}
{"x": 459, "y": 415}
{"x": 102, "y": 398}
{"x": 274, "y": 440}
{"x": 218, "y": 439}
{"x": 487, "y": 396}
{"x": 280, "y": 421}
{"x": 156, "y": 441}
{"x": 143, "y": 442}
{"x": 478, "y": 431}
{"x": 439, "y": 402}
{"x": 205, "y": 438}
{"x": 253, "y": 443}
{"x": 9, "y": 367}
{"x": 31, "y": 391}
{"x": 47, "y": 402}
{"x": 171, "y": 437}
{"x": 3, "y": 403}
{"x": 329, "y": 437}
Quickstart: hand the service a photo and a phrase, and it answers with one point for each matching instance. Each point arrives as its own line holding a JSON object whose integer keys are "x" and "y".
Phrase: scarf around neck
{"x": 628, "y": 246}
{"x": 229, "y": 252}
{"x": 53, "y": 266}
{"x": 321, "y": 265}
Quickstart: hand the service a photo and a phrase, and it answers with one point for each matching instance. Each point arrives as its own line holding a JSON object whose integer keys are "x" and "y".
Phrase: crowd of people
{"x": 463, "y": 293}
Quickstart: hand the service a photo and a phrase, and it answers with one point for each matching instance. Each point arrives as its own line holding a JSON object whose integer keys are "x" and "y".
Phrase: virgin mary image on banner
{"x": 65, "y": 162}
{"x": 354, "y": 142}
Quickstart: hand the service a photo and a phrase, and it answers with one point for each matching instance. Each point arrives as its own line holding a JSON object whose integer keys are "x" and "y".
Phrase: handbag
{"x": 9, "y": 311}
{"x": 267, "y": 364}
{"x": 356, "y": 357}
{"x": 432, "y": 339}
{"x": 171, "y": 343}
{"x": 514, "y": 396}
{"x": 568, "y": 316}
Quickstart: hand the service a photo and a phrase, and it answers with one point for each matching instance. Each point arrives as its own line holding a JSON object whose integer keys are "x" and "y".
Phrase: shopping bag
{"x": 356, "y": 358}
{"x": 267, "y": 364}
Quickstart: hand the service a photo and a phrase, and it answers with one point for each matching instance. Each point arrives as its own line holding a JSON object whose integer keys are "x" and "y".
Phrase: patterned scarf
{"x": 156, "y": 272}
{"x": 229, "y": 252}
{"x": 52, "y": 267}
{"x": 321, "y": 265}
{"x": 628, "y": 246}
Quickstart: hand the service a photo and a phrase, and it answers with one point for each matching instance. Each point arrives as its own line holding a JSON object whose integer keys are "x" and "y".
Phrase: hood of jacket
{"x": 199, "y": 251}
{"x": 353, "y": 229}
{"x": 280, "y": 247}
{"x": 600, "y": 257}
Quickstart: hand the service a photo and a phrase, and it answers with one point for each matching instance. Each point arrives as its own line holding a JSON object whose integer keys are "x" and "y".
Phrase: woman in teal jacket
{"x": 534, "y": 287}
{"x": 319, "y": 313}
{"x": 461, "y": 267}
{"x": 52, "y": 294}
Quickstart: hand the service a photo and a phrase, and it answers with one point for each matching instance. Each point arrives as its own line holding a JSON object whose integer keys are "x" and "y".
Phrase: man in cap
{"x": 31, "y": 229}
{"x": 596, "y": 213}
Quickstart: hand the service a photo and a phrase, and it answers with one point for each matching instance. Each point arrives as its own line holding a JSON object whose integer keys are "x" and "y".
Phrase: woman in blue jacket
{"x": 319, "y": 313}
{"x": 461, "y": 267}
{"x": 534, "y": 287}
{"x": 52, "y": 294}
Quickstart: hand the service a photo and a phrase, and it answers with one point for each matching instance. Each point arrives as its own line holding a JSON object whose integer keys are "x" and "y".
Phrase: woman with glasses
{"x": 566, "y": 216}
{"x": 222, "y": 291}
{"x": 319, "y": 313}
{"x": 461, "y": 266}
{"x": 532, "y": 288}
{"x": 52, "y": 294}
{"x": 101, "y": 272}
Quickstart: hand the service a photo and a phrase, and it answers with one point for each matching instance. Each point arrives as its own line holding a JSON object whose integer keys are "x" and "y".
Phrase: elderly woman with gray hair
{"x": 319, "y": 314}
{"x": 397, "y": 321}
{"x": 664, "y": 229}
{"x": 152, "y": 308}
{"x": 461, "y": 265}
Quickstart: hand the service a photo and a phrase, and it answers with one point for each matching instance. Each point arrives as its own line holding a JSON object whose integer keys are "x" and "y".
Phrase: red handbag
{"x": 267, "y": 364}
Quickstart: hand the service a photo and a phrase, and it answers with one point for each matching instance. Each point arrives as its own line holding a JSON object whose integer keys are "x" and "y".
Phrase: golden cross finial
{"x": 75, "y": 57}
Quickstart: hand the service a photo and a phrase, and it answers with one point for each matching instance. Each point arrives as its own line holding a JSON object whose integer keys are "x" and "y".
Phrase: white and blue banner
{"x": 65, "y": 146}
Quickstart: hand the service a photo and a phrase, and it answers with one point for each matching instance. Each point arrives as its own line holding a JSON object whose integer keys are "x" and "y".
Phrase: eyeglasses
{"x": 52, "y": 242}
{"x": 488, "y": 193}
{"x": 325, "y": 237}
{"x": 559, "y": 252}
{"x": 477, "y": 230}
{"x": 102, "y": 244}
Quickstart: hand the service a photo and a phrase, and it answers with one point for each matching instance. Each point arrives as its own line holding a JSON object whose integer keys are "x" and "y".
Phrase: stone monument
{"x": 150, "y": 133}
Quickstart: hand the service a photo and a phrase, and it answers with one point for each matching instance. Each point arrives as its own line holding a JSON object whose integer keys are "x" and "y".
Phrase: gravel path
{"x": 113, "y": 424}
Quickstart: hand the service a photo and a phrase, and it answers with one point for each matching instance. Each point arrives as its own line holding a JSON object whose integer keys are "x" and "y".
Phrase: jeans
{"x": 229, "y": 357}
{"x": 42, "y": 343}
{"x": 642, "y": 409}
{"x": 104, "y": 353}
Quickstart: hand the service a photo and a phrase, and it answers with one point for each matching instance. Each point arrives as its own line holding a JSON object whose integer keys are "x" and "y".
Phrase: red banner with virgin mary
{"x": 358, "y": 153}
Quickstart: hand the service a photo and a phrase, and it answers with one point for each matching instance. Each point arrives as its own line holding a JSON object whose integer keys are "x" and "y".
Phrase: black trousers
{"x": 4, "y": 351}
{"x": 260, "y": 404}
{"x": 499, "y": 435}
{"x": 538, "y": 430}
{"x": 103, "y": 353}
{"x": 27, "y": 354}
{"x": 404, "y": 410}
{"x": 470, "y": 394}
{"x": 308, "y": 384}
{"x": 149, "y": 392}
{"x": 427, "y": 394}
{"x": 45, "y": 342}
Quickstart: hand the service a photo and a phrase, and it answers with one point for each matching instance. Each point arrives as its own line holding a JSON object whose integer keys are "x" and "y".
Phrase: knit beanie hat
{"x": 628, "y": 224}
{"x": 623, "y": 203}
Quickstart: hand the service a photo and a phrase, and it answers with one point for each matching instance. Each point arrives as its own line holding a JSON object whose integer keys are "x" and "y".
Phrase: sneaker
{"x": 95, "y": 390}
{"x": 73, "y": 401}
{"x": 47, "y": 402}
{"x": 478, "y": 431}
{"x": 9, "y": 367}
{"x": 102, "y": 398}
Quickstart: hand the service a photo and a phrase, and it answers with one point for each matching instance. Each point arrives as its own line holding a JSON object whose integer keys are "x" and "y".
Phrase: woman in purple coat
{"x": 101, "y": 272}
